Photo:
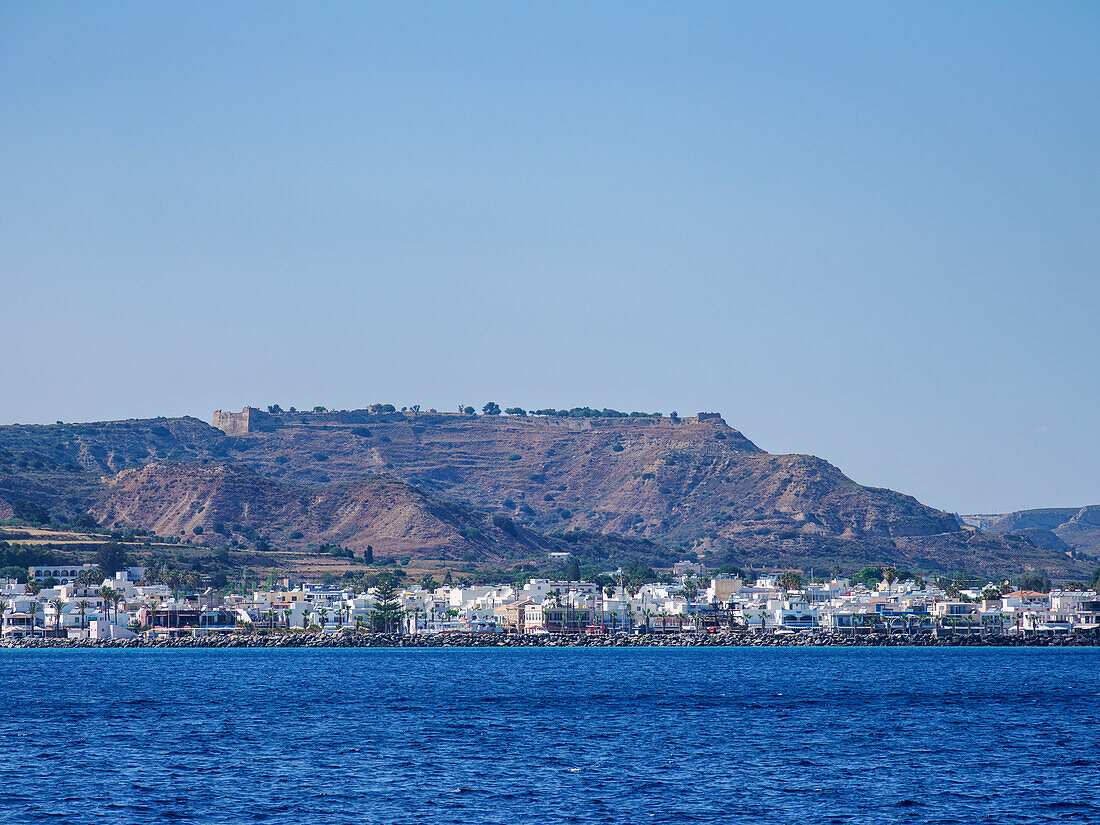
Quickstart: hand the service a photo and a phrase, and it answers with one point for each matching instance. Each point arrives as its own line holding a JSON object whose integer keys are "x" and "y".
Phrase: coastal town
{"x": 77, "y": 603}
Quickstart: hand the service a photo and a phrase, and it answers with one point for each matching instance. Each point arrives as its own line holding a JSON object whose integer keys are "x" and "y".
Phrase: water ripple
{"x": 853, "y": 736}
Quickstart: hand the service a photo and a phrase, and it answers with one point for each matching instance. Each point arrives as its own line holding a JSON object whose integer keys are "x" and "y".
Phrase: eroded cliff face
{"x": 225, "y": 501}
{"x": 684, "y": 481}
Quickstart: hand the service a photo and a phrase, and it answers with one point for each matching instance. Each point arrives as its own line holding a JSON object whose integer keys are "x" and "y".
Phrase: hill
{"x": 217, "y": 501}
{"x": 492, "y": 487}
{"x": 676, "y": 481}
{"x": 1067, "y": 529}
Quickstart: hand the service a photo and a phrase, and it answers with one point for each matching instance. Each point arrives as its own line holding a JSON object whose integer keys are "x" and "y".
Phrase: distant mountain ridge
{"x": 447, "y": 485}
{"x": 1067, "y": 529}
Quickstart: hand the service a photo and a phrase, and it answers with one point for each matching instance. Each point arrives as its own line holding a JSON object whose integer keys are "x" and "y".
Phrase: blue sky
{"x": 862, "y": 230}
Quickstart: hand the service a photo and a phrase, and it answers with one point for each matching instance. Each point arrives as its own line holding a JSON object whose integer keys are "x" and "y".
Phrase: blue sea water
{"x": 776, "y": 735}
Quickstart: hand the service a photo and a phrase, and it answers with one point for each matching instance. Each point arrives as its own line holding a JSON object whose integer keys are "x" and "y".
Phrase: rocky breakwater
{"x": 391, "y": 640}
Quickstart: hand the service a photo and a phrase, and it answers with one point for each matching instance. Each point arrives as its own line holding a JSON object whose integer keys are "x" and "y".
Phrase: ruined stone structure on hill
{"x": 232, "y": 423}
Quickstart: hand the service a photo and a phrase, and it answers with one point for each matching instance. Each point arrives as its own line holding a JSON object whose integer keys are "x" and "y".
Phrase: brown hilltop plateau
{"x": 490, "y": 488}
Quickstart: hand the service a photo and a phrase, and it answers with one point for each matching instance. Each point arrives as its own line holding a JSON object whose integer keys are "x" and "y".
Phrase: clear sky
{"x": 869, "y": 231}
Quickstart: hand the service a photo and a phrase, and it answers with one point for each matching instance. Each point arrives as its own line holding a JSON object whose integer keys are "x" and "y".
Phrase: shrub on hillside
{"x": 29, "y": 511}
{"x": 506, "y": 524}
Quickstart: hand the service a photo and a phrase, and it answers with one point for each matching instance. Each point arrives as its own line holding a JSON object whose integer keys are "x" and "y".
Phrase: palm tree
{"x": 323, "y": 613}
{"x": 116, "y": 597}
{"x": 83, "y": 606}
{"x": 789, "y": 580}
{"x": 105, "y": 593}
{"x": 57, "y": 605}
{"x": 34, "y": 612}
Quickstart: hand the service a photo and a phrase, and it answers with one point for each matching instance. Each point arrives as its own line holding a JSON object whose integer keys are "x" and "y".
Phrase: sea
{"x": 550, "y": 735}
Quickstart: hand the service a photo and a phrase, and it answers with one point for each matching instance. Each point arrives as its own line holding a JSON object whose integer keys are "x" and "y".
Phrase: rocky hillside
{"x": 1066, "y": 529}
{"x": 494, "y": 486}
{"x": 108, "y": 446}
{"x": 679, "y": 482}
{"x": 215, "y": 502}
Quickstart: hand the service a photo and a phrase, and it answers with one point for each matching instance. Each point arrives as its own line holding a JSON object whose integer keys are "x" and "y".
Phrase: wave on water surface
{"x": 400, "y": 736}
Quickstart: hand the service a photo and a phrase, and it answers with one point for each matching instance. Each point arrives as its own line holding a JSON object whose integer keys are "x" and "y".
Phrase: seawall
{"x": 349, "y": 640}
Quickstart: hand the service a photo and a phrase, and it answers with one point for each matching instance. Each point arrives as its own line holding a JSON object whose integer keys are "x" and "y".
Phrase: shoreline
{"x": 442, "y": 640}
